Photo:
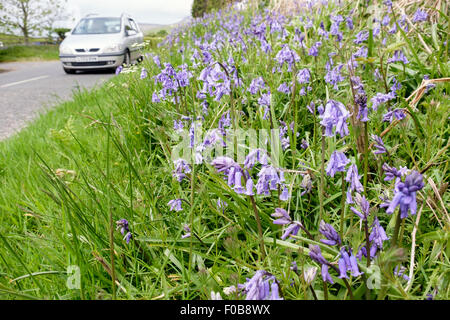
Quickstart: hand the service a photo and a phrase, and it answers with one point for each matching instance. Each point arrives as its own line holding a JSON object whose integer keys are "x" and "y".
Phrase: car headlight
{"x": 65, "y": 49}
{"x": 113, "y": 48}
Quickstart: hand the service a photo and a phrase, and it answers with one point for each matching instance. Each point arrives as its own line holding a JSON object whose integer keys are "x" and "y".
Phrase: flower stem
{"x": 366, "y": 156}
{"x": 342, "y": 207}
{"x": 396, "y": 230}
{"x": 322, "y": 177}
{"x": 260, "y": 233}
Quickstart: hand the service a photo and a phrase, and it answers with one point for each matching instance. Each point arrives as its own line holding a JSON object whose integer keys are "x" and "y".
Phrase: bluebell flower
{"x": 381, "y": 98}
{"x": 379, "y": 145}
{"x": 391, "y": 114}
{"x": 400, "y": 272}
{"x": 268, "y": 180}
{"x": 187, "y": 231}
{"x": 393, "y": 173}
{"x": 261, "y": 287}
{"x": 332, "y": 237}
{"x": 347, "y": 262}
{"x": 181, "y": 168}
{"x": 337, "y": 163}
{"x": 256, "y": 85}
{"x": 354, "y": 179}
{"x": 144, "y": 73}
{"x": 405, "y": 195}
{"x": 398, "y": 57}
{"x": 284, "y": 88}
{"x": 119, "y": 70}
{"x": 361, "y": 37}
{"x": 175, "y": 205}
{"x": 287, "y": 56}
{"x": 365, "y": 208}
{"x": 256, "y": 155}
{"x": 420, "y": 15}
{"x": 316, "y": 254}
{"x": 303, "y": 76}
{"x": 334, "y": 76}
{"x": 124, "y": 230}
{"x": 335, "y": 116}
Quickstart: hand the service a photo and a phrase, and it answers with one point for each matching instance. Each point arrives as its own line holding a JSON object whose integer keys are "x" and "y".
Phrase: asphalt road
{"x": 29, "y": 88}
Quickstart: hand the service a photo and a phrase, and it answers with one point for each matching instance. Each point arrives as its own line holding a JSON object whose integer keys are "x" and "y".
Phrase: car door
{"x": 135, "y": 37}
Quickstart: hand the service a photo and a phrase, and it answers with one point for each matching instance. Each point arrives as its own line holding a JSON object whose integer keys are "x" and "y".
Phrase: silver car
{"x": 99, "y": 42}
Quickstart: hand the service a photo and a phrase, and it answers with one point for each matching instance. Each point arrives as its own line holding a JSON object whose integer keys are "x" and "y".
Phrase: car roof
{"x": 97, "y": 15}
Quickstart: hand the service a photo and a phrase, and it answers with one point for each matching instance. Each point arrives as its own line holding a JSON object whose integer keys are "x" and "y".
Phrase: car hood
{"x": 91, "y": 40}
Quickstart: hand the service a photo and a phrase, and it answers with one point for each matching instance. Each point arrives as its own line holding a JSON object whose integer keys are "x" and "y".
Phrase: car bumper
{"x": 99, "y": 61}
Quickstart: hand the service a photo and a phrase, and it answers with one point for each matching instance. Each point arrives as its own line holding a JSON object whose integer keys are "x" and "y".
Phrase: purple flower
{"x": 316, "y": 255}
{"x": 119, "y": 70}
{"x": 262, "y": 286}
{"x": 379, "y": 145}
{"x": 233, "y": 172}
{"x": 268, "y": 180}
{"x": 187, "y": 230}
{"x": 155, "y": 98}
{"x": 284, "y": 88}
{"x": 405, "y": 195}
{"x": 397, "y": 113}
{"x": 175, "y": 205}
{"x": 303, "y": 76}
{"x": 181, "y": 167}
{"x": 282, "y": 215}
{"x": 420, "y": 15}
{"x": 361, "y": 37}
{"x": 288, "y": 56}
{"x": 334, "y": 76}
{"x": 157, "y": 61}
{"x": 337, "y": 163}
{"x": 377, "y": 235}
{"x": 256, "y": 85}
{"x": 347, "y": 262}
{"x": 123, "y": 225}
{"x": 380, "y": 98}
{"x": 332, "y": 237}
{"x": 144, "y": 73}
{"x": 401, "y": 272}
{"x": 257, "y": 155}
{"x": 335, "y": 115}
{"x": 353, "y": 178}
{"x": 398, "y": 57}
{"x": 365, "y": 208}
{"x": 392, "y": 172}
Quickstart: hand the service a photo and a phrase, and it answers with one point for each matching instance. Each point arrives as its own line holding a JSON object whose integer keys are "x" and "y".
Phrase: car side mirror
{"x": 131, "y": 33}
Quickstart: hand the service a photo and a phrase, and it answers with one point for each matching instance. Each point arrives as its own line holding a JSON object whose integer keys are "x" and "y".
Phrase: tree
{"x": 61, "y": 32}
{"x": 30, "y": 16}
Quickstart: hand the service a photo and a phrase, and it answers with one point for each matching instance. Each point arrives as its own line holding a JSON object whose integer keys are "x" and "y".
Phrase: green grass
{"x": 105, "y": 156}
{"x": 27, "y": 53}
{"x": 10, "y": 39}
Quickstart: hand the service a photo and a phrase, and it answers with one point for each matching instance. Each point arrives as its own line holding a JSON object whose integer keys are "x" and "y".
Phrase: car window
{"x": 98, "y": 26}
{"x": 133, "y": 25}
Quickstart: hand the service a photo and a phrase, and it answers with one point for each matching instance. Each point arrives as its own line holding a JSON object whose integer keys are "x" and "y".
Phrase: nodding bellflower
{"x": 337, "y": 163}
{"x": 353, "y": 178}
{"x": 347, "y": 262}
{"x": 405, "y": 195}
{"x": 175, "y": 205}
{"x": 335, "y": 116}
{"x": 332, "y": 237}
{"x": 316, "y": 254}
{"x": 122, "y": 224}
{"x": 262, "y": 286}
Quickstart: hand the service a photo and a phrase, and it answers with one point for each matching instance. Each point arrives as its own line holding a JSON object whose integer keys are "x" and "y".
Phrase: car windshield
{"x": 98, "y": 26}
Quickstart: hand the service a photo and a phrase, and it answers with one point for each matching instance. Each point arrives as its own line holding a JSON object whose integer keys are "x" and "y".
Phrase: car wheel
{"x": 70, "y": 71}
{"x": 127, "y": 59}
